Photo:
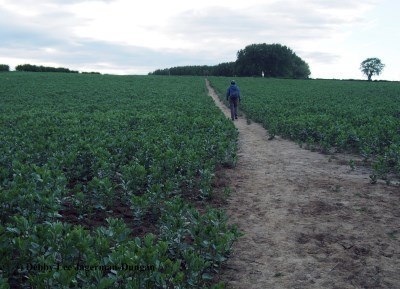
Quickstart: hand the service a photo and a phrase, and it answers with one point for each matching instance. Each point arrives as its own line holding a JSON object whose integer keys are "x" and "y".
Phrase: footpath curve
{"x": 309, "y": 220}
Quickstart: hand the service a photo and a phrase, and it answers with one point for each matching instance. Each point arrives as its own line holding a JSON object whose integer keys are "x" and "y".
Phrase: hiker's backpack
{"x": 233, "y": 92}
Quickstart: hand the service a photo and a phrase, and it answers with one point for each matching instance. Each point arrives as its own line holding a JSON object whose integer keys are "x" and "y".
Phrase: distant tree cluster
{"x": 269, "y": 60}
{"x": 223, "y": 69}
{"x": 4, "y": 67}
{"x": 184, "y": 70}
{"x": 36, "y": 68}
{"x": 92, "y": 72}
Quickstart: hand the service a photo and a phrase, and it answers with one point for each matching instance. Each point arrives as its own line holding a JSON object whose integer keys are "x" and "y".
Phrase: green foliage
{"x": 37, "y": 68}
{"x": 222, "y": 69}
{"x": 271, "y": 60}
{"x": 371, "y": 66}
{"x": 87, "y": 161}
{"x": 330, "y": 115}
{"x": 4, "y": 68}
{"x": 91, "y": 72}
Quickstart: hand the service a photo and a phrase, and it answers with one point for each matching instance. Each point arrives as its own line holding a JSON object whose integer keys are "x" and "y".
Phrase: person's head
{"x": 233, "y": 82}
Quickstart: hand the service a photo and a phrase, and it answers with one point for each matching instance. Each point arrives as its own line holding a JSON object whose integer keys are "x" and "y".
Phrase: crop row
{"x": 100, "y": 172}
{"x": 329, "y": 115}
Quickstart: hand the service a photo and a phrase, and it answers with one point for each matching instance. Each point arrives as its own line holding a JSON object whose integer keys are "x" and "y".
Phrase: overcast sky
{"x": 137, "y": 37}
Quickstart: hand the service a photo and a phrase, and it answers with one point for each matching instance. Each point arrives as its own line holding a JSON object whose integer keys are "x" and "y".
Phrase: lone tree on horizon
{"x": 371, "y": 66}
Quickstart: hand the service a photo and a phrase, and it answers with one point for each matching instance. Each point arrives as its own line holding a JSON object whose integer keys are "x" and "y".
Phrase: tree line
{"x": 37, "y": 68}
{"x": 221, "y": 69}
{"x": 268, "y": 60}
{"x": 40, "y": 68}
{"x": 4, "y": 67}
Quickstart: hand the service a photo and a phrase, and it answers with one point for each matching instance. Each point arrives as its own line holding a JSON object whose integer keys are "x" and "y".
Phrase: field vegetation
{"x": 105, "y": 182}
{"x": 329, "y": 115}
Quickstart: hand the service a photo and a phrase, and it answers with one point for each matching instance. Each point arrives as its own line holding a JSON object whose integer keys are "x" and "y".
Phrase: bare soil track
{"x": 309, "y": 220}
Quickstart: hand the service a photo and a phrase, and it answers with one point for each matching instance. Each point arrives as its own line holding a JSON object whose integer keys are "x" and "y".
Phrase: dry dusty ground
{"x": 309, "y": 221}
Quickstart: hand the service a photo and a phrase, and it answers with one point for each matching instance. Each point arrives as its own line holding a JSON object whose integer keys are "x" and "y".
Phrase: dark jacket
{"x": 231, "y": 90}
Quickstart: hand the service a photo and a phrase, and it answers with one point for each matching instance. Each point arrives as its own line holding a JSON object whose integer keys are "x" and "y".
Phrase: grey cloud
{"x": 212, "y": 22}
{"x": 342, "y": 4}
{"x": 318, "y": 56}
{"x": 48, "y": 28}
{"x": 218, "y": 33}
{"x": 230, "y": 26}
{"x": 319, "y": 13}
{"x": 48, "y": 39}
{"x": 280, "y": 20}
{"x": 17, "y": 32}
{"x": 25, "y": 3}
{"x": 98, "y": 51}
{"x": 87, "y": 53}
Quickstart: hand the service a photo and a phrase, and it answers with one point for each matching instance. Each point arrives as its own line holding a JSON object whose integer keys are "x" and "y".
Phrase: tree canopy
{"x": 222, "y": 69}
{"x": 371, "y": 66}
{"x": 36, "y": 68}
{"x": 4, "y": 67}
{"x": 269, "y": 60}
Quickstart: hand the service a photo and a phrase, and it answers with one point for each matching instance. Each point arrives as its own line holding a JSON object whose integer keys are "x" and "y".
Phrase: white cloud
{"x": 137, "y": 37}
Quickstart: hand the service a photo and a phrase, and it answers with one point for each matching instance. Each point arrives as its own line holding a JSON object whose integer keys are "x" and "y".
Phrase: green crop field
{"x": 104, "y": 181}
{"x": 352, "y": 116}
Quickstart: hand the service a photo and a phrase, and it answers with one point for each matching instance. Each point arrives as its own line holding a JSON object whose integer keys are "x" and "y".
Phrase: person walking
{"x": 233, "y": 95}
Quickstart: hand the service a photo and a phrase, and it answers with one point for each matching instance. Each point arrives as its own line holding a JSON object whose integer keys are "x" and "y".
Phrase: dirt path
{"x": 309, "y": 221}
